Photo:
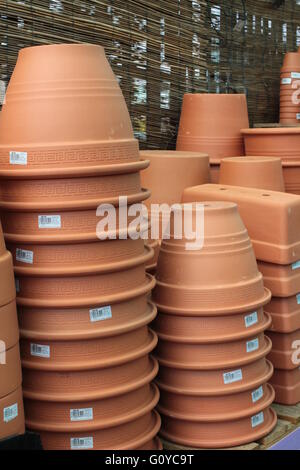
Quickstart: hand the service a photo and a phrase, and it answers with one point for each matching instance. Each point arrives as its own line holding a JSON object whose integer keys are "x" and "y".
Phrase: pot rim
{"x": 271, "y": 130}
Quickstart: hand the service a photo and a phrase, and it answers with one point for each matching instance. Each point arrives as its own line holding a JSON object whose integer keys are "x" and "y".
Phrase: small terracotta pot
{"x": 285, "y": 313}
{"x": 170, "y": 172}
{"x": 273, "y": 142}
{"x": 7, "y": 283}
{"x": 283, "y": 281}
{"x": 214, "y": 172}
{"x": 183, "y": 288}
{"x": 203, "y": 128}
{"x": 12, "y": 415}
{"x": 10, "y": 371}
{"x": 284, "y": 354}
{"x": 291, "y": 175}
{"x": 276, "y": 241}
{"x": 9, "y": 329}
{"x": 252, "y": 172}
{"x": 287, "y": 386}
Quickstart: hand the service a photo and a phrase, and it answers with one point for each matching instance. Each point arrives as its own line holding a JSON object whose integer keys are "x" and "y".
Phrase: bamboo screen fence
{"x": 162, "y": 49}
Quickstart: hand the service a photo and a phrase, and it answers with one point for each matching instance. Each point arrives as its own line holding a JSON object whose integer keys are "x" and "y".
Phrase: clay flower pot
{"x": 170, "y": 172}
{"x": 283, "y": 349}
{"x": 291, "y": 175}
{"x": 7, "y": 283}
{"x": 10, "y": 372}
{"x": 9, "y": 329}
{"x": 272, "y": 218}
{"x": 252, "y": 172}
{"x": 12, "y": 415}
{"x": 287, "y": 386}
{"x": 285, "y": 313}
{"x": 154, "y": 444}
{"x": 203, "y": 128}
{"x": 74, "y": 111}
{"x": 155, "y": 246}
{"x": 273, "y": 142}
{"x": 283, "y": 281}
{"x": 183, "y": 288}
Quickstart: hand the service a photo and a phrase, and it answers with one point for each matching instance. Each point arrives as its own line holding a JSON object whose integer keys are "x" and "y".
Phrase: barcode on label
{"x": 17, "y": 282}
{"x": 298, "y": 299}
{"x": 24, "y": 256}
{"x": 234, "y": 376}
{"x": 49, "y": 221}
{"x": 18, "y": 158}
{"x": 295, "y": 74}
{"x": 39, "y": 350}
{"x": 251, "y": 319}
{"x": 10, "y": 413}
{"x": 257, "y": 419}
{"x": 99, "y": 314}
{"x": 252, "y": 345}
{"x": 286, "y": 81}
{"x": 83, "y": 414}
{"x": 257, "y": 394}
{"x": 82, "y": 443}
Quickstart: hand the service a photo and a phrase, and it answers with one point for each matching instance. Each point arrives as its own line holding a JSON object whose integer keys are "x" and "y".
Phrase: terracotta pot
{"x": 154, "y": 444}
{"x": 285, "y": 314}
{"x": 151, "y": 266}
{"x": 273, "y": 142}
{"x": 203, "y": 128}
{"x": 170, "y": 172}
{"x": 283, "y": 281}
{"x": 219, "y": 434}
{"x": 284, "y": 352}
{"x": 287, "y": 386}
{"x": 129, "y": 436}
{"x": 272, "y": 218}
{"x": 291, "y": 62}
{"x": 10, "y": 371}
{"x": 9, "y": 329}
{"x": 183, "y": 288}
{"x": 12, "y": 415}
{"x": 291, "y": 175}
{"x": 252, "y": 172}
{"x": 74, "y": 111}
{"x": 7, "y": 283}
{"x": 214, "y": 172}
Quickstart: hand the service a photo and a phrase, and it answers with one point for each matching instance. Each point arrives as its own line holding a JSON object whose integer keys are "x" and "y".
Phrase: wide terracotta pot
{"x": 12, "y": 415}
{"x": 287, "y": 386}
{"x": 10, "y": 370}
{"x": 252, "y": 172}
{"x": 203, "y": 128}
{"x": 273, "y": 142}
{"x": 284, "y": 352}
{"x": 170, "y": 172}
{"x": 215, "y": 288}
{"x": 9, "y": 329}
{"x": 74, "y": 111}
{"x": 283, "y": 281}
{"x": 272, "y": 218}
{"x": 291, "y": 175}
{"x": 285, "y": 313}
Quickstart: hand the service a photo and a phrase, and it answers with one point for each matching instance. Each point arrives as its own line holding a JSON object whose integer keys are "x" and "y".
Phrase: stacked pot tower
{"x": 66, "y": 147}
{"x": 289, "y": 84}
{"x": 212, "y": 349}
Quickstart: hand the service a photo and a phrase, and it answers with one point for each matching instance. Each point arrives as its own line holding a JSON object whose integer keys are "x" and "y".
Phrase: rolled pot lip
{"x": 220, "y": 366}
{"x": 96, "y": 365}
{"x": 148, "y": 436}
{"x": 271, "y": 131}
{"x": 215, "y": 94}
{"x": 75, "y": 172}
{"x": 24, "y": 50}
{"x": 225, "y": 417}
{"x": 251, "y": 159}
{"x": 86, "y": 270}
{"x": 99, "y": 424}
{"x": 227, "y": 442}
{"x": 215, "y": 312}
{"x": 222, "y": 338}
{"x": 295, "y": 163}
{"x": 82, "y": 397}
{"x": 131, "y": 326}
{"x": 233, "y": 389}
{"x": 104, "y": 300}
{"x": 172, "y": 154}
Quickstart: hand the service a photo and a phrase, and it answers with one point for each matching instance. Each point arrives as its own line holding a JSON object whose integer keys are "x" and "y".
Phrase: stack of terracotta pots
{"x": 168, "y": 174}
{"x": 11, "y": 400}
{"x": 289, "y": 84}
{"x": 203, "y": 128}
{"x": 67, "y": 146}
{"x": 273, "y": 222}
{"x": 212, "y": 349}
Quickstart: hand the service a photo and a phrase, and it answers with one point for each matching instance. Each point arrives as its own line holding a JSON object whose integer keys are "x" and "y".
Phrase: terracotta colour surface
{"x": 283, "y": 281}
{"x": 12, "y": 415}
{"x": 9, "y": 329}
{"x": 285, "y": 313}
{"x": 272, "y": 218}
{"x": 282, "y": 142}
{"x": 10, "y": 372}
{"x": 291, "y": 175}
{"x": 285, "y": 352}
{"x": 287, "y": 386}
{"x": 289, "y": 76}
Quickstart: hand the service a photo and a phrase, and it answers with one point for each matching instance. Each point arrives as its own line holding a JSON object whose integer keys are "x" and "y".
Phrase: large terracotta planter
{"x": 282, "y": 142}
{"x": 12, "y": 415}
{"x": 9, "y": 329}
{"x": 287, "y": 386}
{"x": 203, "y": 128}
{"x": 283, "y": 281}
{"x": 272, "y": 218}
{"x": 283, "y": 354}
{"x": 252, "y": 172}
{"x": 285, "y": 313}
{"x": 10, "y": 372}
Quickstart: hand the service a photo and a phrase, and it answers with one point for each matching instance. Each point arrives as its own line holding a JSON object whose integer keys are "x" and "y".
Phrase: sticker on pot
{"x": 49, "y": 221}
{"x": 18, "y": 158}
{"x": 252, "y": 345}
{"x": 251, "y": 319}
{"x": 101, "y": 313}
{"x": 298, "y": 299}
{"x": 17, "y": 282}
{"x": 286, "y": 81}
{"x": 257, "y": 419}
{"x": 82, "y": 443}
{"x": 24, "y": 256}
{"x": 82, "y": 414}
{"x": 295, "y": 75}
{"x": 298, "y": 116}
{"x": 234, "y": 376}
{"x": 40, "y": 350}
{"x": 10, "y": 413}
{"x": 257, "y": 394}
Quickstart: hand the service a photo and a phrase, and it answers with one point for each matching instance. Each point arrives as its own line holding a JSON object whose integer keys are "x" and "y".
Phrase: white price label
{"x": 10, "y": 413}
{"x": 234, "y": 376}
{"x": 49, "y": 221}
{"x": 82, "y": 443}
{"x": 296, "y": 265}
{"x": 298, "y": 116}
{"x": 24, "y": 256}
{"x": 252, "y": 345}
{"x": 40, "y": 350}
{"x": 82, "y": 414}
{"x": 257, "y": 394}
{"x": 286, "y": 81}
{"x": 18, "y": 158}
{"x": 251, "y": 319}
{"x": 298, "y": 299}
{"x": 295, "y": 74}
{"x": 99, "y": 314}
{"x": 257, "y": 419}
